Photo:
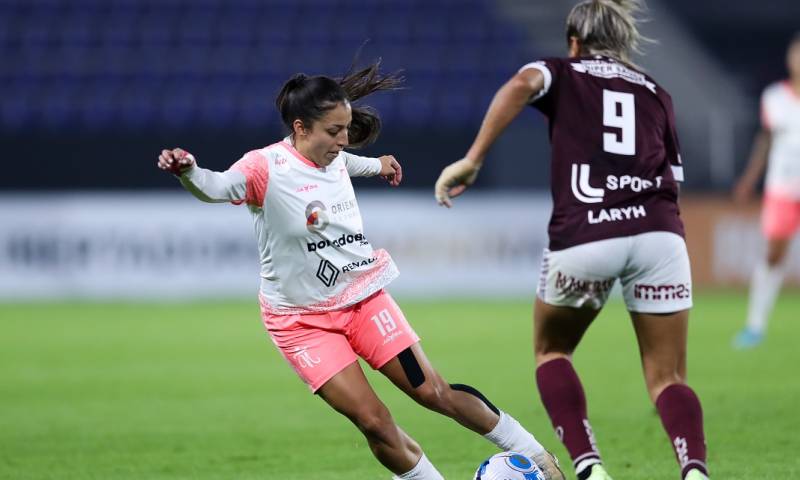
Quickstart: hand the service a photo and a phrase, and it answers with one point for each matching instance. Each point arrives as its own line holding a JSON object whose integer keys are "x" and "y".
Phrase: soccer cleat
{"x": 747, "y": 339}
{"x": 548, "y": 463}
{"x": 695, "y": 474}
{"x": 598, "y": 473}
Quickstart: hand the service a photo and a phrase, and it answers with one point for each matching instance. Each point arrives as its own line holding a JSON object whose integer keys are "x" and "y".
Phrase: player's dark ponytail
{"x": 308, "y": 98}
{"x": 358, "y": 84}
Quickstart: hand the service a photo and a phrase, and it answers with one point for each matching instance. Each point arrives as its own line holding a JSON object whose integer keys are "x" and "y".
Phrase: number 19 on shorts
{"x": 384, "y": 321}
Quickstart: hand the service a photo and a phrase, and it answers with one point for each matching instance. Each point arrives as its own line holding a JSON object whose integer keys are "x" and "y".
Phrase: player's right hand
{"x": 176, "y": 160}
{"x": 454, "y": 179}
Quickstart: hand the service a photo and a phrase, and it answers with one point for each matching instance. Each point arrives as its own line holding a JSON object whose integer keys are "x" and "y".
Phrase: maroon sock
{"x": 563, "y": 398}
{"x": 682, "y": 417}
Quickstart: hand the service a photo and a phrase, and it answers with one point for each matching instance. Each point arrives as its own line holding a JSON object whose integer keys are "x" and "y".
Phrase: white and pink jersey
{"x": 780, "y": 114}
{"x": 314, "y": 254}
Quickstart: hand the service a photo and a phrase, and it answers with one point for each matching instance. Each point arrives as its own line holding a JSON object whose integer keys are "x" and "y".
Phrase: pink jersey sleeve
{"x": 254, "y": 166}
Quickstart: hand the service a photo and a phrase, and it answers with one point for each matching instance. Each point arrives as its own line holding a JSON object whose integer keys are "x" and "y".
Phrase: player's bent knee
{"x": 434, "y": 395}
{"x": 377, "y": 424}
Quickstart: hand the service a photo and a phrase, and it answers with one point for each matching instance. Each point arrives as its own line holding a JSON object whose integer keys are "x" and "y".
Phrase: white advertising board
{"x": 144, "y": 246}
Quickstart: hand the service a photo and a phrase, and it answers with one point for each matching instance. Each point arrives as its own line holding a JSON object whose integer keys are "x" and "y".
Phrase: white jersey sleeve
{"x": 358, "y": 166}
{"x": 245, "y": 182}
{"x": 215, "y": 187}
{"x": 547, "y": 73}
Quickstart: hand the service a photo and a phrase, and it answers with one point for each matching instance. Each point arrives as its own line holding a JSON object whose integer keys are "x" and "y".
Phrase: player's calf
{"x": 682, "y": 417}
{"x": 563, "y": 398}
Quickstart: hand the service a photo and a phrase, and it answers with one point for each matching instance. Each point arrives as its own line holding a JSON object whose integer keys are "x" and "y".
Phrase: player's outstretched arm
{"x": 507, "y": 103}
{"x": 746, "y": 186}
{"x": 206, "y": 185}
{"x": 386, "y": 166}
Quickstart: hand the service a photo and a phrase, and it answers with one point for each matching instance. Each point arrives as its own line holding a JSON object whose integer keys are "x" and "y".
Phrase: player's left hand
{"x": 454, "y": 179}
{"x": 391, "y": 170}
{"x": 175, "y": 161}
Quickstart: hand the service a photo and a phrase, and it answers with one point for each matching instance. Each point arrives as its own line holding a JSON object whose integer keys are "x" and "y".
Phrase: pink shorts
{"x": 320, "y": 345}
{"x": 780, "y": 217}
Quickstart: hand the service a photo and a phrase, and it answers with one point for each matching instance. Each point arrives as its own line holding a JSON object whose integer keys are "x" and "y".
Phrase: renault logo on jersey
{"x": 316, "y": 218}
{"x": 327, "y": 273}
{"x": 580, "y": 185}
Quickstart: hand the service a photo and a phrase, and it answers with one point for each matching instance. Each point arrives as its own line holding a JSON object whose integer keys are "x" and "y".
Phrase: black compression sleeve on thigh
{"x": 411, "y": 367}
{"x": 472, "y": 391}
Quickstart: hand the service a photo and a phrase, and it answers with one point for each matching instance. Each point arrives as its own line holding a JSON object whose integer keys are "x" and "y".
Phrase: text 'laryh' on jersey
{"x": 615, "y": 152}
{"x": 313, "y": 252}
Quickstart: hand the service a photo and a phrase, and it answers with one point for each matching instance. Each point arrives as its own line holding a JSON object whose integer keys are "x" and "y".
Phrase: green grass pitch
{"x": 197, "y": 391}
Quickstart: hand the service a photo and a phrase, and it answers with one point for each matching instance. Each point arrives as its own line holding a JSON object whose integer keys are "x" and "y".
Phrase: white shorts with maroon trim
{"x": 653, "y": 268}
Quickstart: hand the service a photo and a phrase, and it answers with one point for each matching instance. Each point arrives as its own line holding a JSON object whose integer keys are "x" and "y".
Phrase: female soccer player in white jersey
{"x": 776, "y": 149}
{"x": 322, "y": 285}
{"x": 615, "y": 167}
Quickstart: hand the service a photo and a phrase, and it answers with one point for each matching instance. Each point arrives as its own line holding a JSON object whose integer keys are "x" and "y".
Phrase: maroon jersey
{"x": 615, "y": 153}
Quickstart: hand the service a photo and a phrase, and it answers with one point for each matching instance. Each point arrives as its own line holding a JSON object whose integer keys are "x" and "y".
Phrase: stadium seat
{"x": 107, "y": 63}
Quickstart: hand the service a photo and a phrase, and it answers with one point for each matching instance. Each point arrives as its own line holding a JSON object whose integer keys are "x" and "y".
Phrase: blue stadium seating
{"x": 144, "y": 64}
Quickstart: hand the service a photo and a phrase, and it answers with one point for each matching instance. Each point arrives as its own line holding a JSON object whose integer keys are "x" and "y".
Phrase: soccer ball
{"x": 509, "y": 466}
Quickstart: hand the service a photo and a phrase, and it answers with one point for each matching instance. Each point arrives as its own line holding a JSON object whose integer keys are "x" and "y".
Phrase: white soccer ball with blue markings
{"x": 509, "y": 466}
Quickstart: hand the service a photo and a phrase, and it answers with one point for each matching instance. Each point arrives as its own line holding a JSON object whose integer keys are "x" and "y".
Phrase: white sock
{"x": 508, "y": 435}
{"x": 423, "y": 470}
{"x": 764, "y": 288}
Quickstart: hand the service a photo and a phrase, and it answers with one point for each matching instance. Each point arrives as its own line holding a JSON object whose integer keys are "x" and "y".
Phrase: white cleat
{"x": 548, "y": 463}
{"x": 695, "y": 474}
{"x": 599, "y": 473}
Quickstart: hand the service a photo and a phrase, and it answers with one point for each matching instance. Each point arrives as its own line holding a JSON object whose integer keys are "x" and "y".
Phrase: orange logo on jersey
{"x": 316, "y": 218}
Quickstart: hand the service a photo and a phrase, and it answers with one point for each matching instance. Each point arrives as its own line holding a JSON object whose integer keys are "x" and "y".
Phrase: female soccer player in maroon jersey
{"x": 615, "y": 168}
